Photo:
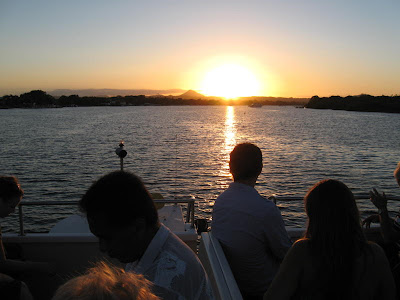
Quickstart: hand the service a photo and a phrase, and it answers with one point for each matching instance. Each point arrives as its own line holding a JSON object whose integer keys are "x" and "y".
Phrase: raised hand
{"x": 377, "y": 199}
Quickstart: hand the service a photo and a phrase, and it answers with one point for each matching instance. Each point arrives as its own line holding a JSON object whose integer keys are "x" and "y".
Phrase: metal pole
{"x": 21, "y": 221}
{"x": 121, "y": 153}
{"x": 192, "y": 214}
{"x": 188, "y": 213}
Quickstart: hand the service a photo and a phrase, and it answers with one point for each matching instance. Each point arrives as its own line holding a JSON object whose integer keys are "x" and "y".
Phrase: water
{"x": 183, "y": 151}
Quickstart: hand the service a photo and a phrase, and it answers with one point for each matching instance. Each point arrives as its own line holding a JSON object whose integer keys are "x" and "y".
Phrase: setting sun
{"x": 230, "y": 81}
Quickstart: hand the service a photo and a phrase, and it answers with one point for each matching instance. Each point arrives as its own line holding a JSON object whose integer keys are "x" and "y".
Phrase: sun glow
{"x": 230, "y": 81}
{"x": 230, "y": 140}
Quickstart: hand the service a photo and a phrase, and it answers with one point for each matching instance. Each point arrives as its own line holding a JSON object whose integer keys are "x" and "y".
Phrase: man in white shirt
{"x": 249, "y": 227}
{"x": 121, "y": 213}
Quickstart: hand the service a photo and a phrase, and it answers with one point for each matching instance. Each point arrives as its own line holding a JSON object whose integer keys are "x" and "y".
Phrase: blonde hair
{"x": 106, "y": 282}
{"x": 396, "y": 172}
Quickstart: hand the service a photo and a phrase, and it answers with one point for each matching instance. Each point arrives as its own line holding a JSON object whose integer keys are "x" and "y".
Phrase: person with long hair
{"x": 333, "y": 260}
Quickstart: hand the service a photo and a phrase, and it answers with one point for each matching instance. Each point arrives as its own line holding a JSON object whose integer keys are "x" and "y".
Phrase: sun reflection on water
{"x": 230, "y": 139}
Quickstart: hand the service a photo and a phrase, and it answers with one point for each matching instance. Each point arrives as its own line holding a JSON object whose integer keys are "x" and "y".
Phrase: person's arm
{"x": 9, "y": 266}
{"x": 371, "y": 219}
{"x": 276, "y": 235}
{"x": 2, "y": 252}
{"x": 15, "y": 267}
{"x": 286, "y": 281}
{"x": 388, "y": 232}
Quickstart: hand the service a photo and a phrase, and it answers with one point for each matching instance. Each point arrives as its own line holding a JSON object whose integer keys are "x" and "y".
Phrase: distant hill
{"x": 190, "y": 94}
{"x": 112, "y": 92}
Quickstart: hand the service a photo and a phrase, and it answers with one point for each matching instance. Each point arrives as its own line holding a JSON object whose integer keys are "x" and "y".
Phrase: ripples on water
{"x": 183, "y": 151}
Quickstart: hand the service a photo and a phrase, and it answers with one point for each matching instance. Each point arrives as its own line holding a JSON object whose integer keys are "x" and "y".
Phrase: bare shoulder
{"x": 378, "y": 278}
{"x": 302, "y": 244}
{"x": 376, "y": 249}
{"x": 5, "y": 278}
{"x": 378, "y": 256}
{"x": 301, "y": 248}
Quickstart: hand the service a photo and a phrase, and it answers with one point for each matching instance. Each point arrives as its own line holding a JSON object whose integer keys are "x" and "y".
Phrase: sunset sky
{"x": 285, "y": 48}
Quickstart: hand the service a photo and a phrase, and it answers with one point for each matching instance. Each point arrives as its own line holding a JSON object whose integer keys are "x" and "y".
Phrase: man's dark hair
{"x": 10, "y": 188}
{"x": 245, "y": 161}
{"x": 122, "y": 196}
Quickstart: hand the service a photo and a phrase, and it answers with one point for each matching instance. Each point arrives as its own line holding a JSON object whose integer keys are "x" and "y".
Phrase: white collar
{"x": 152, "y": 251}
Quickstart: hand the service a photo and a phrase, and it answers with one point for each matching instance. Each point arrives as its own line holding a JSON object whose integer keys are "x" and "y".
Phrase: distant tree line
{"x": 40, "y": 99}
{"x": 35, "y": 98}
{"x": 361, "y": 102}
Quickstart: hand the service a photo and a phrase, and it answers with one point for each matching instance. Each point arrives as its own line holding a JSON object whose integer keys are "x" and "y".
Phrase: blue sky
{"x": 293, "y": 48}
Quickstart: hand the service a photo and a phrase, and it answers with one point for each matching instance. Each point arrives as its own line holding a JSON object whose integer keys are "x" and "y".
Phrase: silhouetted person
{"x": 333, "y": 260}
{"x": 121, "y": 213}
{"x": 249, "y": 227}
{"x": 10, "y": 196}
{"x": 390, "y": 228}
{"x": 105, "y": 282}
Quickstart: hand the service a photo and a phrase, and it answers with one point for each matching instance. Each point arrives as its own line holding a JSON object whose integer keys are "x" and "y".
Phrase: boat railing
{"x": 188, "y": 219}
{"x": 277, "y": 199}
{"x": 218, "y": 269}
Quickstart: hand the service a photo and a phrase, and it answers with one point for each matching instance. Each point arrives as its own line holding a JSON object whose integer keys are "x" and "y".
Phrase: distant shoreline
{"x": 40, "y": 99}
{"x": 363, "y": 103}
